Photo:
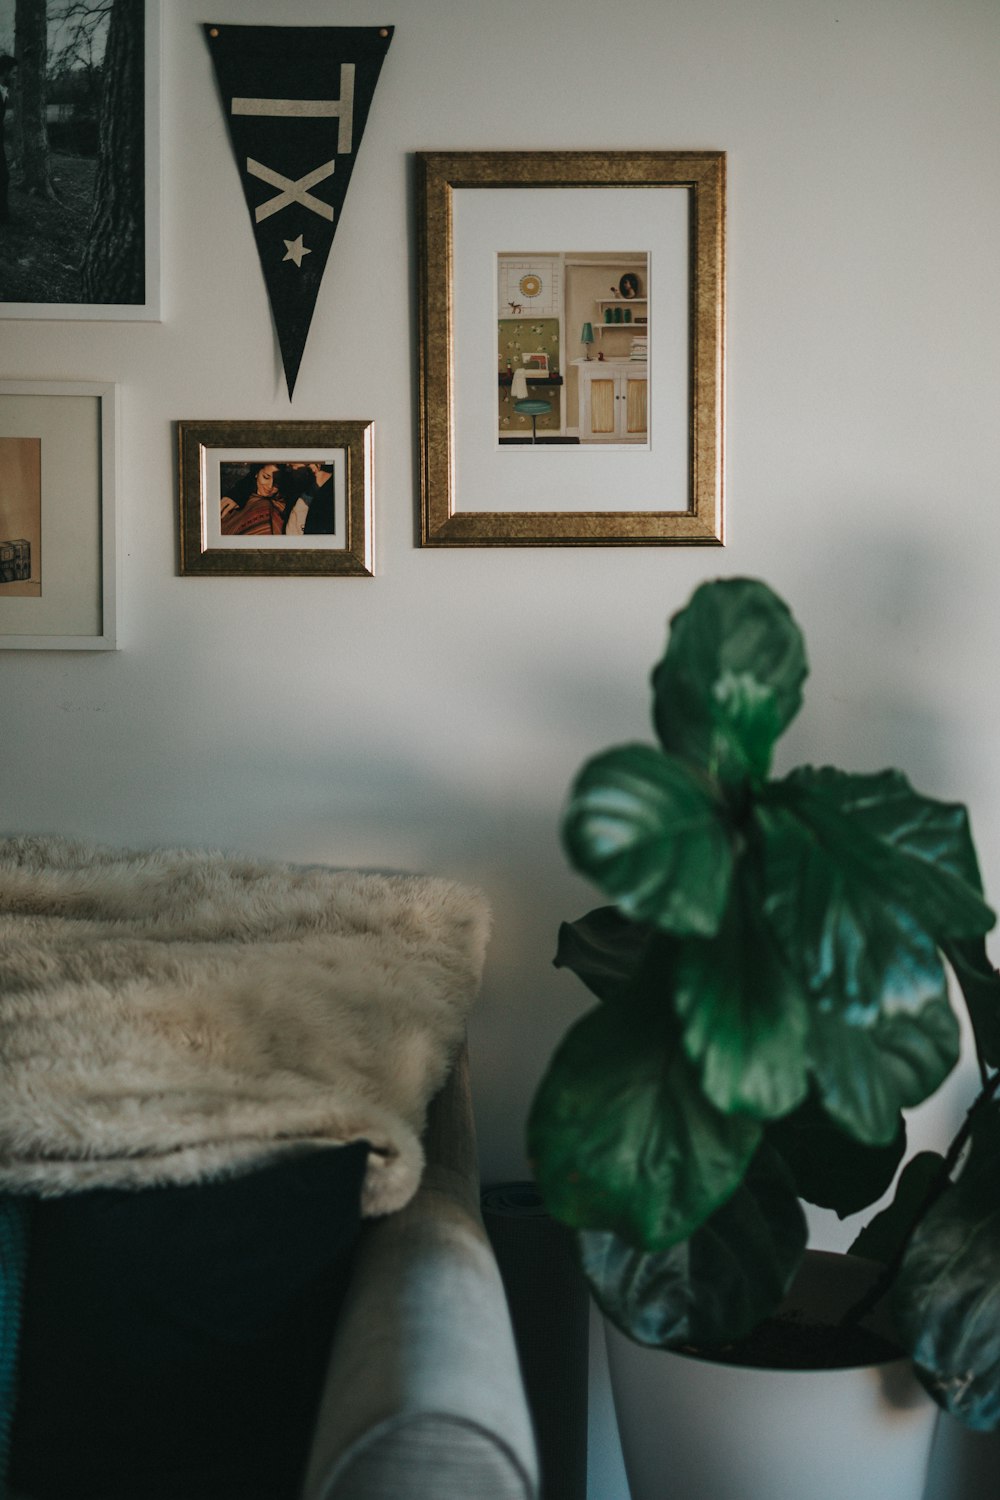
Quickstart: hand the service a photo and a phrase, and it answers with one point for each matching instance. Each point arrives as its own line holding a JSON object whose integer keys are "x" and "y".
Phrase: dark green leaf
{"x": 867, "y": 1073}
{"x": 648, "y": 831}
{"x": 946, "y": 1301}
{"x": 621, "y": 1136}
{"x": 831, "y": 1168}
{"x": 883, "y": 1035}
{"x": 980, "y": 984}
{"x": 919, "y": 850}
{"x": 715, "y": 1286}
{"x": 616, "y": 959}
{"x": 731, "y": 678}
{"x": 880, "y": 1240}
{"x": 743, "y": 1012}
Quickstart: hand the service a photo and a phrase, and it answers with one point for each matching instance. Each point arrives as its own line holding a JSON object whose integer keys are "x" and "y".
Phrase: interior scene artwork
{"x": 277, "y": 498}
{"x": 573, "y": 347}
{"x": 20, "y": 517}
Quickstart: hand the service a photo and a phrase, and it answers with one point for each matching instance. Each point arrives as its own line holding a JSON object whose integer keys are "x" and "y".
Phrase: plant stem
{"x": 940, "y": 1182}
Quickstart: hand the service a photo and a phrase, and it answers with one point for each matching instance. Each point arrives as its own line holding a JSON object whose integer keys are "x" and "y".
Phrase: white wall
{"x": 431, "y": 718}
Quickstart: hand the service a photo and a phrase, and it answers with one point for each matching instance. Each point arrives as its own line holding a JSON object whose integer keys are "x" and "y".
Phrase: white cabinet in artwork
{"x": 613, "y": 401}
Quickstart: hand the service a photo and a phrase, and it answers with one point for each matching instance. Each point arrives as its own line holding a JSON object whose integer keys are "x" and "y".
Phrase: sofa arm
{"x": 423, "y": 1397}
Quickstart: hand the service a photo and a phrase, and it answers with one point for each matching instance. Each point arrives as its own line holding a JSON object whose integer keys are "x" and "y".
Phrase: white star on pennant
{"x": 296, "y": 250}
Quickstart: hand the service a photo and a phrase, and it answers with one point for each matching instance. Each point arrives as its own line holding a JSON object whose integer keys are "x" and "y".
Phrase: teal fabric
{"x": 13, "y": 1259}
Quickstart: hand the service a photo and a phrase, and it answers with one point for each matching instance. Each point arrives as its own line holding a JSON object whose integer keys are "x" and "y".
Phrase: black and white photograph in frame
{"x": 79, "y": 141}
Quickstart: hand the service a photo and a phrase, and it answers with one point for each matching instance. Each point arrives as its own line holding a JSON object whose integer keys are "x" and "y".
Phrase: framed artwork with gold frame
{"x": 523, "y": 254}
{"x": 276, "y": 498}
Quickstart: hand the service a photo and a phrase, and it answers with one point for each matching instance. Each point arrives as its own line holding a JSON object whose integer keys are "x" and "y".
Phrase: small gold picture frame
{"x": 276, "y": 498}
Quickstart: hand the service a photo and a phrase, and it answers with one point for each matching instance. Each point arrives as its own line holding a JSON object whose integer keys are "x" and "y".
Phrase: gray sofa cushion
{"x": 424, "y": 1398}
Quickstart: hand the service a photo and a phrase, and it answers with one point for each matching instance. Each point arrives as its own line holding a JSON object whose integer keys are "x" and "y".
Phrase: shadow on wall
{"x": 389, "y": 813}
{"x": 875, "y": 626}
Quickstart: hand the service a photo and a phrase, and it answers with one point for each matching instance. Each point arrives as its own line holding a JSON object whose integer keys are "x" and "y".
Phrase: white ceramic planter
{"x": 695, "y": 1430}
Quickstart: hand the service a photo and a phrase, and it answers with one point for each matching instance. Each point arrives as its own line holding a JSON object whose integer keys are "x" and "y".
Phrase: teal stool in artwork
{"x": 534, "y": 408}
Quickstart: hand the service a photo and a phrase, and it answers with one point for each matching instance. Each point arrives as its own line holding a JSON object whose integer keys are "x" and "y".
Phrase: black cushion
{"x": 175, "y": 1338}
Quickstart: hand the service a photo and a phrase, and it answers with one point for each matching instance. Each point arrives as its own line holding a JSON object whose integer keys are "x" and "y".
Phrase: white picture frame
{"x": 149, "y": 310}
{"x": 75, "y": 606}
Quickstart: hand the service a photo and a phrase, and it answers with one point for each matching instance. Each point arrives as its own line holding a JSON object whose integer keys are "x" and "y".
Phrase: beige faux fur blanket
{"x": 179, "y": 1015}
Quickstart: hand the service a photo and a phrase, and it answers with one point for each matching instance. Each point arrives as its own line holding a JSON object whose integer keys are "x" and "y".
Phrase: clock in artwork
{"x": 528, "y": 284}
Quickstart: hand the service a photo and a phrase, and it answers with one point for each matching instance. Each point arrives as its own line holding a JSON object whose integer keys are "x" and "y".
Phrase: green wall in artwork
{"x": 517, "y": 337}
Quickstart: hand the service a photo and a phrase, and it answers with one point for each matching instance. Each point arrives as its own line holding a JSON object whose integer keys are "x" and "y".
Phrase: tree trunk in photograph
{"x": 113, "y": 268}
{"x": 32, "y": 148}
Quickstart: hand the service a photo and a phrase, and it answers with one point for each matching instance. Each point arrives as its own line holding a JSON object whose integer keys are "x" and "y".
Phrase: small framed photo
{"x": 58, "y": 529}
{"x": 276, "y": 498}
{"x": 80, "y": 107}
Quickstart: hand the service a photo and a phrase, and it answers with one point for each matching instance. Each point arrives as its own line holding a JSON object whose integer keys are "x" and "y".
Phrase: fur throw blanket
{"x": 179, "y": 1015}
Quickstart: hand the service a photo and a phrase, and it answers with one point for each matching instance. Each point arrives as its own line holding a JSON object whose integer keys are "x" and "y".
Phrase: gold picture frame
{"x": 301, "y": 502}
{"x": 661, "y": 483}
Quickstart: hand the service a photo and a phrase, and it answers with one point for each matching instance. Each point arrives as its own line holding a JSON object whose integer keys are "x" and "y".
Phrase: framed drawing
{"x": 58, "y": 532}
{"x": 81, "y": 114}
{"x": 571, "y": 347}
{"x": 276, "y": 498}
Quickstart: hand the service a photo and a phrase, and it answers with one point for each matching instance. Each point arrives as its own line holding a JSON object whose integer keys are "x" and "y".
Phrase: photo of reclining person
{"x": 277, "y": 499}
{"x": 252, "y": 504}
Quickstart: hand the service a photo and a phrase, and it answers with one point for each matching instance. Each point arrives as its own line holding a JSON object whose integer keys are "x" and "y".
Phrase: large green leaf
{"x": 621, "y": 1136}
{"x": 743, "y": 1012}
{"x": 618, "y": 960}
{"x": 715, "y": 1286}
{"x": 882, "y": 1237}
{"x": 883, "y": 1035}
{"x": 831, "y": 1168}
{"x": 731, "y": 678}
{"x": 866, "y": 1074}
{"x": 650, "y": 833}
{"x": 946, "y": 1301}
{"x": 979, "y": 982}
{"x": 919, "y": 850}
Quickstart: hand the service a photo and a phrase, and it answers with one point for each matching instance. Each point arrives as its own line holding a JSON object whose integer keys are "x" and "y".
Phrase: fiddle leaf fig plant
{"x": 773, "y": 996}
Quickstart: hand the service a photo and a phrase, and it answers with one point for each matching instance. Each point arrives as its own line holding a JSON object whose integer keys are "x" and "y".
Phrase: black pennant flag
{"x": 296, "y": 101}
